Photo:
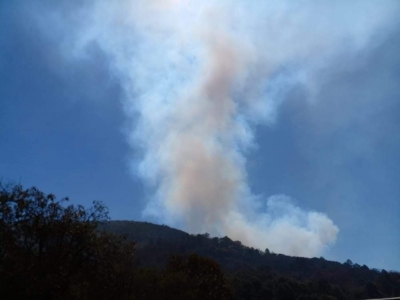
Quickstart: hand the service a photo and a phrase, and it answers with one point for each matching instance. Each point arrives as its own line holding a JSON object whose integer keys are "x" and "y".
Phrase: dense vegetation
{"x": 255, "y": 274}
{"x": 52, "y": 250}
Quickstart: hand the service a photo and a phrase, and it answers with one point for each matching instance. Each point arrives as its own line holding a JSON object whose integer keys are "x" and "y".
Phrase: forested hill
{"x": 143, "y": 233}
{"x": 251, "y": 267}
{"x": 50, "y": 249}
{"x": 231, "y": 254}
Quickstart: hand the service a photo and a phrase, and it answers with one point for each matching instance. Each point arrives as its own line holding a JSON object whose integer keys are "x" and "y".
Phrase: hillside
{"x": 51, "y": 250}
{"x": 143, "y": 232}
{"x": 251, "y": 269}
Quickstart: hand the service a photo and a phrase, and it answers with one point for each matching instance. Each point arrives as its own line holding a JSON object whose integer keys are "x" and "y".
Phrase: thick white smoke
{"x": 198, "y": 76}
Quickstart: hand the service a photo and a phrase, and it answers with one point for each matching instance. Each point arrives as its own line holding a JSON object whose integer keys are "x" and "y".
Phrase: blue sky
{"x": 64, "y": 126}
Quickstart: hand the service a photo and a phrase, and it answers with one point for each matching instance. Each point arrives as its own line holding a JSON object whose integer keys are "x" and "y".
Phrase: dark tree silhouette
{"x": 50, "y": 250}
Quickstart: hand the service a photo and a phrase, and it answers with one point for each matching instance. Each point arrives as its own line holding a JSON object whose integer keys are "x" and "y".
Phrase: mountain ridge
{"x": 145, "y": 233}
{"x": 251, "y": 270}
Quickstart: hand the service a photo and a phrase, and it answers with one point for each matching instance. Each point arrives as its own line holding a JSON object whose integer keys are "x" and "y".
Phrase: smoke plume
{"x": 198, "y": 77}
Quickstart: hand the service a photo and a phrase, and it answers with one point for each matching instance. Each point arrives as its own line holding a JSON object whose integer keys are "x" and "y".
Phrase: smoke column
{"x": 198, "y": 77}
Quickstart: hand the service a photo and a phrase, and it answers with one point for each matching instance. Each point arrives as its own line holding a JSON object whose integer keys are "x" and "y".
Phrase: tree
{"x": 51, "y": 250}
{"x": 349, "y": 263}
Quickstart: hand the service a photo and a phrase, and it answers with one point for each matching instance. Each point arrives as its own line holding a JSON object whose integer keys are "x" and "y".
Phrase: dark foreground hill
{"x": 52, "y": 250}
{"x": 255, "y": 274}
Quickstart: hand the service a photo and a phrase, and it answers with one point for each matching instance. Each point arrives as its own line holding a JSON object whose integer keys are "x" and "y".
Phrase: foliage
{"x": 50, "y": 250}
{"x": 256, "y": 274}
